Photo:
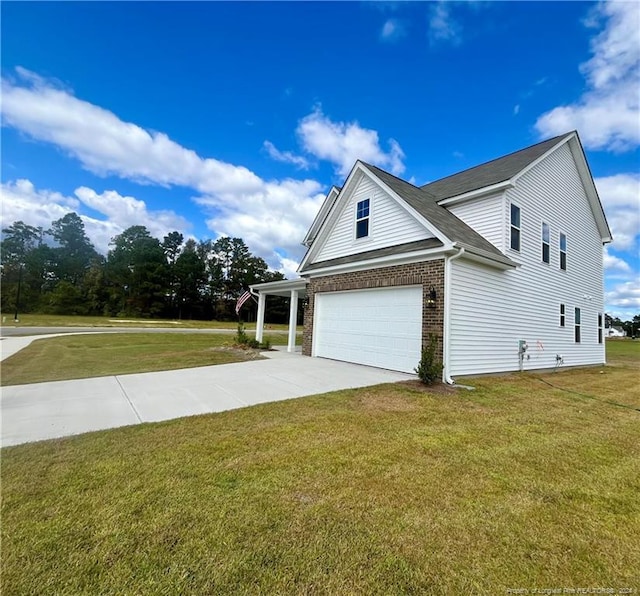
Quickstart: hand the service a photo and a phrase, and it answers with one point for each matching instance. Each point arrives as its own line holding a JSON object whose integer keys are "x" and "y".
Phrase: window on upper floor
{"x": 545, "y": 243}
{"x": 562, "y": 317}
{"x": 563, "y": 251}
{"x": 515, "y": 227}
{"x": 576, "y": 325}
{"x": 362, "y": 219}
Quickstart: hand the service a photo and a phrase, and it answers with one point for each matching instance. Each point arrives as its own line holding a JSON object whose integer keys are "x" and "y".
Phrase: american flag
{"x": 242, "y": 300}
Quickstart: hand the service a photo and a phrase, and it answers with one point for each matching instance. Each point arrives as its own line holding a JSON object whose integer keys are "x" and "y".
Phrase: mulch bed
{"x": 242, "y": 352}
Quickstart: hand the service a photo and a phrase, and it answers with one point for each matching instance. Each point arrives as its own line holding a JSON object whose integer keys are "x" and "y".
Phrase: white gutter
{"x": 446, "y": 348}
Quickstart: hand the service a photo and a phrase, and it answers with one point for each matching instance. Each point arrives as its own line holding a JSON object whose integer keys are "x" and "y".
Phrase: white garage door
{"x": 381, "y": 327}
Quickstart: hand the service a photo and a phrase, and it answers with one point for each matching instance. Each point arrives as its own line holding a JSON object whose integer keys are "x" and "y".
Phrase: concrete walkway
{"x": 62, "y": 408}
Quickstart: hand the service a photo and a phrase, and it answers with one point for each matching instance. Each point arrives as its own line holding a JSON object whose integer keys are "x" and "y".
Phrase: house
{"x": 615, "y": 332}
{"x": 503, "y": 262}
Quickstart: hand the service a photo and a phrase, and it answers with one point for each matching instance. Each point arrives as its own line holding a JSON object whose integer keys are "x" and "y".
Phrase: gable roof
{"x": 451, "y": 226}
{"x": 492, "y": 172}
{"x": 429, "y": 200}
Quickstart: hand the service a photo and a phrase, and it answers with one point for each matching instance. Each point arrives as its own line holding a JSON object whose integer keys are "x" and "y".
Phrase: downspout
{"x": 446, "y": 323}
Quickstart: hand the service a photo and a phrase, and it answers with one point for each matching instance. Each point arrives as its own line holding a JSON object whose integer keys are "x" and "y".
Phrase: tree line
{"x": 631, "y": 327}
{"x": 59, "y": 271}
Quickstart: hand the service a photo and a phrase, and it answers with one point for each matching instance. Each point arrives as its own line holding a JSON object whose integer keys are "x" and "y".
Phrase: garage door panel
{"x": 381, "y": 327}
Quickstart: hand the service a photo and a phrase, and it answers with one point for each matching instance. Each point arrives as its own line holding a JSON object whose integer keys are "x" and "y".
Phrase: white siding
{"x": 485, "y": 216}
{"x": 389, "y": 224}
{"x": 491, "y": 310}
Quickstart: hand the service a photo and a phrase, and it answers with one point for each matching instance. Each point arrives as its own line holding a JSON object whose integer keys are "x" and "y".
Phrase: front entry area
{"x": 376, "y": 327}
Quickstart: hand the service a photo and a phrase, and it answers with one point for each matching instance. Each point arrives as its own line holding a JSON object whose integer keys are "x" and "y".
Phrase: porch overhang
{"x": 281, "y": 288}
{"x": 287, "y": 288}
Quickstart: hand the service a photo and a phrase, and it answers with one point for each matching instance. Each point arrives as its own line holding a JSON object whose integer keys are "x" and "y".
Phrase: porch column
{"x": 262, "y": 299}
{"x": 293, "y": 319}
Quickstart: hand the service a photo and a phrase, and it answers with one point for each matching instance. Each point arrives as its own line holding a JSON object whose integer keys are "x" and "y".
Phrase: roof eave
{"x": 320, "y": 216}
{"x": 322, "y": 220}
{"x": 377, "y": 262}
{"x": 477, "y": 193}
{"x": 575, "y": 146}
{"x": 591, "y": 190}
{"x": 494, "y": 260}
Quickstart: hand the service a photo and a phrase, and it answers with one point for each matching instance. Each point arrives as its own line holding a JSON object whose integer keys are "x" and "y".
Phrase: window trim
{"x": 366, "y": 218}
{"x": 546, "y": 243}
{"x": 515, "y": 228}
{"x": 563, "y": 315}
{"x": 563, "y": 253}
{"x": 577, "y": 324}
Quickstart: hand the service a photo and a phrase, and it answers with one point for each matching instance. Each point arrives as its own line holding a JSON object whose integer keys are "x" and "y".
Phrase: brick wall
{"x": 426, "y": 273}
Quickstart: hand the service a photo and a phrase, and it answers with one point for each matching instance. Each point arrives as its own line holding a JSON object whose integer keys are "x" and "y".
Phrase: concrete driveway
{"x": 62, "y": 408}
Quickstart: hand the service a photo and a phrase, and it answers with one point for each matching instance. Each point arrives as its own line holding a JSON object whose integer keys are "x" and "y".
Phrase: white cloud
{"x": 392, "y": 30}
{"x": 608, "y": 113}
{"x": 21, "y": 201}
{"x": 105, "y": 145}
{"x": 268, "y": 215}
{"x": 613, "y": 263}
{"x": 286, "y": 156}
{"x": 289, "y": 267}
{"x": 442, "y": 26}
{"x": 342, "y": 143}
{"x": 123, "y": 212}
{"x": 625, "y": 295}
{"x": 271, "y": 221}
{"x": 620, "y": 196}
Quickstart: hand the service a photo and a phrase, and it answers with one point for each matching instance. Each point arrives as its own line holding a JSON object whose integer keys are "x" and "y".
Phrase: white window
{"x": 576, "y": 325}
{"x": 563, "y": 251}
{"x": 515, "y": 227}
{"x": 562, "y": 317}
{"x": 545, "y": 243}
{"x": 362, "y": 219}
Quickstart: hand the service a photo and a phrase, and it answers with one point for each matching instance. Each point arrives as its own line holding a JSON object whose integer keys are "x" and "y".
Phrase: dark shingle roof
{"x": 425, "y": 200}
{"x": 445, "y": 221}
{"x": 380, "y": 252}
{"x": 491, "y": 172}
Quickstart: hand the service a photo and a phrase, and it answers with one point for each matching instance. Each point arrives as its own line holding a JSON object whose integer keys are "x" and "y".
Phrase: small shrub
{"x": 429, "y": 368}
{"x": 265, "y": 345}
{"x": 243, "y": 340}
{"x": 241, "y": 335}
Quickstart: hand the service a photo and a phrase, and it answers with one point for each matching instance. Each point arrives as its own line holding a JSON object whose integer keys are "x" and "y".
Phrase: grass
{"x": 383, "y": 490}
{"x": 82, "y": 356}
{"x": 38, "y": 320}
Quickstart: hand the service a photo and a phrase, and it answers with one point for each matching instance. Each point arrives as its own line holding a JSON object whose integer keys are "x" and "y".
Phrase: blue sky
{"x": 217, "y": 118}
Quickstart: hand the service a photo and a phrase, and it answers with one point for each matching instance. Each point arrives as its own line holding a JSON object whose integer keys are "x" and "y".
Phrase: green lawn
{"x": 82, "y": 356}
{"x": 385, "y": 490}
{"x": 37, "y": 320}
